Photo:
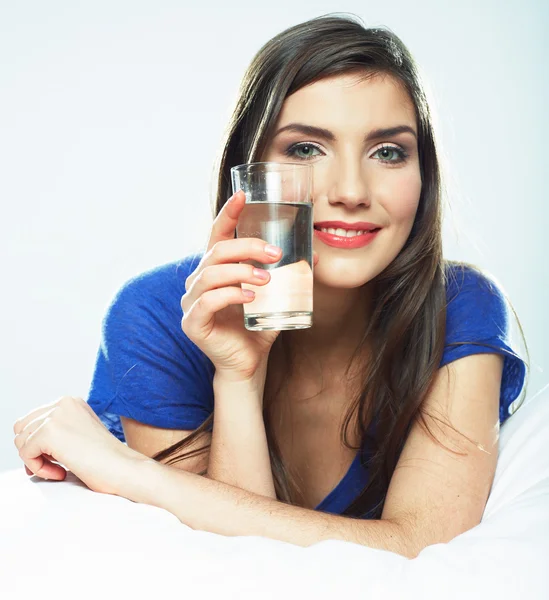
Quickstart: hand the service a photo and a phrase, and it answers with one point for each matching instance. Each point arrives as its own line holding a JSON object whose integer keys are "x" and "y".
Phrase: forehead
{"x": 350, "y": 99}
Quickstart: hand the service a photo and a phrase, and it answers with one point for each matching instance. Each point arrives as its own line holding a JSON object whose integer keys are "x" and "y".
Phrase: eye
{"x": 389, "y": 151}
{"x": 305, "y": 147}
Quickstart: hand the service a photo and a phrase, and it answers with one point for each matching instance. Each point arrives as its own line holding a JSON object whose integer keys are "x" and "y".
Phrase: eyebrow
{"x": 328, "y": 135}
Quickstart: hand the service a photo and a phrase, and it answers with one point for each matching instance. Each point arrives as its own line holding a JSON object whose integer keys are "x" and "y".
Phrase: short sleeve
{"x": 147, "y": 369}
{"x": 478, "y": 321}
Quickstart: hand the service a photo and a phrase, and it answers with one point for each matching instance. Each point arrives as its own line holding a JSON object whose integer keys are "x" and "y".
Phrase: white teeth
{"x": 342, "y": 232}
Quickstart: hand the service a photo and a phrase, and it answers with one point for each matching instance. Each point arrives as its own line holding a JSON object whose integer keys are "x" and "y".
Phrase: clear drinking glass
{"x": 279, "y": 210}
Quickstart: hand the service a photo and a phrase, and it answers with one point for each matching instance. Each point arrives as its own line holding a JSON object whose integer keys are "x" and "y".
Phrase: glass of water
{"x": 279, "y": 210}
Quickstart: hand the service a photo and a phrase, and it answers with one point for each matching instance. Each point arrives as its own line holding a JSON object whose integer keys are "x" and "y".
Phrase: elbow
{"x": 417, "y": 535}
{"x": 409, "y": 537}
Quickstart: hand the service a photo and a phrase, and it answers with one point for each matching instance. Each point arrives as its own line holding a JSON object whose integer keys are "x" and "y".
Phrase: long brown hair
{"x": 406, "y": 330}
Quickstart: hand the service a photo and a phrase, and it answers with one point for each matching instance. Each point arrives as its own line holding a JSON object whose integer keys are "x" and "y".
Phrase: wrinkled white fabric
{"x": 59, "y": 539}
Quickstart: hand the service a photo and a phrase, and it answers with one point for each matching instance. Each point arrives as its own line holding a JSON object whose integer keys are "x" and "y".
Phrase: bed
{"x": 61, "y": 540}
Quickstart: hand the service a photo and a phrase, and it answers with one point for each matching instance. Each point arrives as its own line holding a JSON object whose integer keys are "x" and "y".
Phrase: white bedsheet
{"x": 61, "y": 540}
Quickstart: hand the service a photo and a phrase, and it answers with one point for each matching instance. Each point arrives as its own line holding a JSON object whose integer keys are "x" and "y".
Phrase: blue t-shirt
{"x": 148, "y": 370}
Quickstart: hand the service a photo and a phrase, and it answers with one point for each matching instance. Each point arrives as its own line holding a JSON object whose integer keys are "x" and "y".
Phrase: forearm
{"x": 216, "y": 507}
{"x": 239, "y": 454}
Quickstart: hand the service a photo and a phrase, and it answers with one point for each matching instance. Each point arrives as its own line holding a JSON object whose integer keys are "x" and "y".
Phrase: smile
{"x": 344, "y": 232}
{"x": 341, "y": 238}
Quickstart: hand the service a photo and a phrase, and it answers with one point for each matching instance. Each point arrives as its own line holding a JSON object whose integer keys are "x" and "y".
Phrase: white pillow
{"x": 60, "y": 539}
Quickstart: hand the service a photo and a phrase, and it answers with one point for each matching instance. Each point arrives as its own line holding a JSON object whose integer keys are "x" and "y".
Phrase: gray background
{"x": 110, "y": 118}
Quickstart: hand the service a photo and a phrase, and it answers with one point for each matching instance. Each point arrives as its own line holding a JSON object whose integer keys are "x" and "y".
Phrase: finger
{"x": 32, "y": 453}
{"x": 47, "y": 470}
{"x": 21, "y": 437}
{"x": 219, "y": 276}
{"x": 21, "y": 440}
{"x": 30, "y": 473}
{"x": 199, "y": 321}
{"x": 21, "y": 423}
{"x": 224, "y": 225}
{"x": 234, "y": 251}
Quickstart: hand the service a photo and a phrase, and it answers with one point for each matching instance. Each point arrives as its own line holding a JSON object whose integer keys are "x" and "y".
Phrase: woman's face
{"x": 357, "y": 177}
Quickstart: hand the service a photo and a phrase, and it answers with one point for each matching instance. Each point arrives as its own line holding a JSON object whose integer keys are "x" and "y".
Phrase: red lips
{"x": 339, "y": 241}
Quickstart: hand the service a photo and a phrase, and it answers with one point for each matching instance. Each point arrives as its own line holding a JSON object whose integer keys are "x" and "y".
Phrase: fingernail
{"x": 261, "y": 274}
{"x": 272, "y": 250}
{"x": 233, "y": 197}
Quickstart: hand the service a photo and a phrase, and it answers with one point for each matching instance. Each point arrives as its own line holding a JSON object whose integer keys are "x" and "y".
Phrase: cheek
{"x": 402, "y": 199}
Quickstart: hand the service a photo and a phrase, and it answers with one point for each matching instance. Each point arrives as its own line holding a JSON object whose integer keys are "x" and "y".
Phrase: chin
{"x": 344, "y": 276}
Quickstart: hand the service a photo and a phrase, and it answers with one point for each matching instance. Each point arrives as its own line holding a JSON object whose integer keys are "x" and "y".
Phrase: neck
{"x": 339, "y": 320}
{"x": 319, "y": 355}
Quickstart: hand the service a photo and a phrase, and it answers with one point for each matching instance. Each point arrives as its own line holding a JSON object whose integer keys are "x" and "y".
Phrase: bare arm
{"x": 239, "y": 453}
{"x": 149, "y": 440}
{"x": 427, "y": 504}
{"x": 208, "y": 505}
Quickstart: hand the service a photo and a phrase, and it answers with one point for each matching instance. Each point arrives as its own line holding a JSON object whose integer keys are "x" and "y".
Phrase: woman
{"x": 407, "y": 364}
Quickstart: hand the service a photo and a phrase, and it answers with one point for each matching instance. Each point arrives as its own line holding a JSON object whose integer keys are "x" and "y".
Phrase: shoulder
{"x": 159, "y": 285}
{"x": 151, "y": 296}
{"x": 168, "y": 277}
{"x": 147, "y": 369}
{"x": 463, "y": 278}
{"x": 475, "y": 300}
{"x": 478, "y": 321}
{"x": 141, "y": 334}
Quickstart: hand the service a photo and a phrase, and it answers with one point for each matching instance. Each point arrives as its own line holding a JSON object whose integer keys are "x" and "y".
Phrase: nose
{"x": 349, "y": 185}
